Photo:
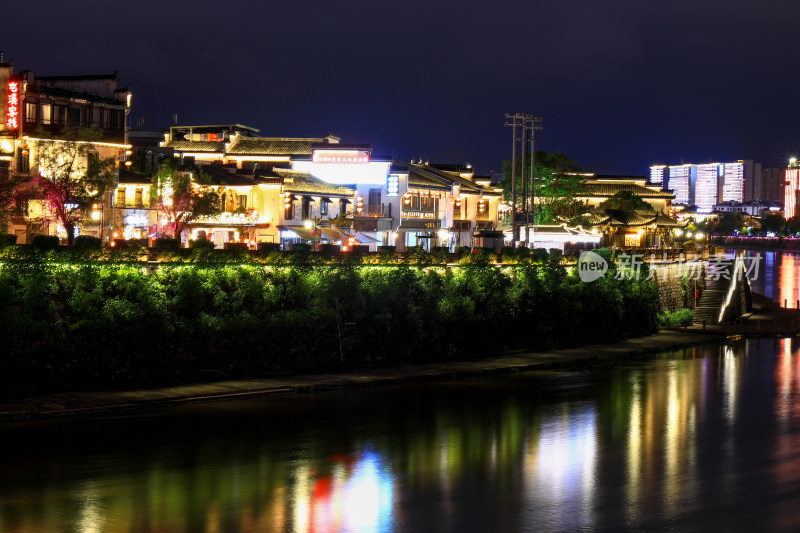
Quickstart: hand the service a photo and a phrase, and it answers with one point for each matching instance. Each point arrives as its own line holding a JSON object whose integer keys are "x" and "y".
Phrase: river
{"x": 700, "y": 439}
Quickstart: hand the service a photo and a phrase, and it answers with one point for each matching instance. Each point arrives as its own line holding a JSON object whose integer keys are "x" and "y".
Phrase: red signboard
{"x": 12, "y": 109}
{"x": 340, "y": 156}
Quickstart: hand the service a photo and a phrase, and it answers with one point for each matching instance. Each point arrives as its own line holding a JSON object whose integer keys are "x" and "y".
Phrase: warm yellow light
{"x": 641, "y": 232}
{"x": 678, "y": 233}
{"x": 698, "y": 235}
{"x": 116, "y": 235}
{"x": 128, "y": 163}
{"x": 307, "y": 224}
{"x": 95, "y": 215}
{"x": 689, "y": 234}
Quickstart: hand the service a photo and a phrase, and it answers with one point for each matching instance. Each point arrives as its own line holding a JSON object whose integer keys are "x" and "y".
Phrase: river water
{"x": 700, "y": 439}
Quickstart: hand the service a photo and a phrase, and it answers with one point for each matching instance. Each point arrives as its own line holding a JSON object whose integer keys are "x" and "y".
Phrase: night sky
{"x": 621, "y": 84}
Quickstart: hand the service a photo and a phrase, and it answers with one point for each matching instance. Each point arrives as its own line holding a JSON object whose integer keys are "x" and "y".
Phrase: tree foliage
{"x": 69, "y": 176}
{"x": 556, "y": 181}
{"x": 184, "y": 196}
{"x": 626, "y": 200}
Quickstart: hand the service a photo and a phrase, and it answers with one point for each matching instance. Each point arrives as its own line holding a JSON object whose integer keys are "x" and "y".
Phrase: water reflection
{"x": 701, "y": 436}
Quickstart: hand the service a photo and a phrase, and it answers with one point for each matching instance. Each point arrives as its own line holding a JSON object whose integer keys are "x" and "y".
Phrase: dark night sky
{"x": 621, "y": 84}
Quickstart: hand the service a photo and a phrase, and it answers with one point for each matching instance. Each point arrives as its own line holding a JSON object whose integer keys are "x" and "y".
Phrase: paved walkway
{"x": 87, "y": 402}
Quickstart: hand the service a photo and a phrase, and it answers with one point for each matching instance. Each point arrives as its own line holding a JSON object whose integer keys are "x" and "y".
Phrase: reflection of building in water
{"x": 560, "y": 469}
{"x": 356, "y": 495}
{"x": 664, "y": 413}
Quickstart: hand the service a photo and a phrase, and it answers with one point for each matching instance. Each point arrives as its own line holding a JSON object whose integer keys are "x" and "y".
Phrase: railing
{"x": 377, "y": 211}
{"x": 419, "y": 214}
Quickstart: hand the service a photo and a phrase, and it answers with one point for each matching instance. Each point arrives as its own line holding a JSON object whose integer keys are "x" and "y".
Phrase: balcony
{"x": 376, "y": 211}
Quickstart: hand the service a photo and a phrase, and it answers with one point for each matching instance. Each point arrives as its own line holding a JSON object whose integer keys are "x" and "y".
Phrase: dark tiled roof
{"x": 440, "y": 178}
{"x": 610, "y": 189}
{"x": 58, "y": 92}
{"x": 222, "y": 176}
{"x": 130, "y": 178}
{"x": 303, "y": 182}
{"x": 272, "y": 146}
{"x": 196, "y": 146}
{"x": 84, "y": 77}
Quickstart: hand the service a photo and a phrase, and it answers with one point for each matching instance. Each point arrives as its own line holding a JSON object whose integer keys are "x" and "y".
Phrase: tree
{"x": 8, "y": 193}
{"x": 557, "y": 182}
{"x": 793, "y": 225}
{"x": 626, "y": 200}
{"x": 730, "y": 222}
{"x": 183, "y": 196}
{"x": 69, "y": 176}
{"x": 773, "y": 222}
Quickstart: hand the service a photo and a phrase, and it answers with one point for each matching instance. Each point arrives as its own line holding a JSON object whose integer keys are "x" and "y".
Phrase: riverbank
{"x": 75, "y": 403}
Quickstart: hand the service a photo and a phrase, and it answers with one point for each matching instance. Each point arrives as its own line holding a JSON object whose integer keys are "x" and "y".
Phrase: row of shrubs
{"x": 75, "y": 326}
{"x": 679, "y": 317}
{"x": 90, "y": 249}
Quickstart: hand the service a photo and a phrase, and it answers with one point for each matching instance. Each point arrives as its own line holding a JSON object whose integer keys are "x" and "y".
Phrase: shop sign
{"x": 340, "y": 156}
{"x": 233, "y": 218}
{"x": 12, "y": 108}
{"x": 136, "y": 220}
{"x": 392, "y": 185}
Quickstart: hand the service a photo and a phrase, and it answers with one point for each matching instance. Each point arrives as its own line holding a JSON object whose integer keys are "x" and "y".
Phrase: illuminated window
{"x": 47, "y": 114}
{"x": 30, "y": 112}
{"x": 120, "y": 197}
{"x": 323, "y": 207}
{"x": 139, "y": 197}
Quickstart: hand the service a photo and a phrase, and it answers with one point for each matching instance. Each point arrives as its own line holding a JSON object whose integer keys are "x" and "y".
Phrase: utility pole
{"x": 535, "y": 125}
{"x": 532, "y": 123}
{"x": 513, "y": 177}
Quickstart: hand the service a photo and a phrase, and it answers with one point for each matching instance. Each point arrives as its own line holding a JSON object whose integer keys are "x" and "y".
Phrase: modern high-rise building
{"x": 791, "y": 193}
{"x": 770, "y": 187}
{"x": 659, "y": 174}
{"x": 752, "y": 177}
{"x": 732, "y": 180}
{"x": 680, "y": 182}
{"x": 706, "y": 185}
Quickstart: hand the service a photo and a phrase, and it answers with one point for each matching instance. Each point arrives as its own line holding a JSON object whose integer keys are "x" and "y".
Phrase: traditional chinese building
{"x": 38, "y": 108}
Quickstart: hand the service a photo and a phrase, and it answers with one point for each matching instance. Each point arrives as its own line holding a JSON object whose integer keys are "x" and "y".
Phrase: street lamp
{"x": 312, "y": 225}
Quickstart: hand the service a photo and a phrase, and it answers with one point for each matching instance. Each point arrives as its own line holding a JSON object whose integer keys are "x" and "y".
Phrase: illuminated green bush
{"x": 73, "y": 325}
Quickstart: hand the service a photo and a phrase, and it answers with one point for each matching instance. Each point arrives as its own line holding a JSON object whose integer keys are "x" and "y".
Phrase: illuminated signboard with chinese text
{"x": 393, "y": 186}
{"x": 340, "y": 156}
{"x": 12, "y": 109}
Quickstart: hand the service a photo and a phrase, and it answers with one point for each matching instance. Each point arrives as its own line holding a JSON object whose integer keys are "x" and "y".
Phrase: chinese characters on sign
{"x": 12, "y": 109}
{"x": 340, "y": 156}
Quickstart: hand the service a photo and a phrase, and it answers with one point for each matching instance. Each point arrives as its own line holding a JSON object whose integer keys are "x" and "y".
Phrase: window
{"x": 97, "y": 116}
{"x": 47, "y": 114}
{"x": 60, "y": 117}
{"x": 138, "y": 197}
{"x": 242, "y": 202}
{"x": 374, "y": 197}
{"x": 306, "y": 207}
{"x": 120, "y": 197}
{"x": 75, "y": 115}
{"x": 30, "y": 111}
{"x": 323, "y": 207}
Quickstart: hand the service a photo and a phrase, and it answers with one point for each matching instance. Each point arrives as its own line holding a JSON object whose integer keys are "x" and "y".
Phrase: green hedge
{"x": 94, "y": 325}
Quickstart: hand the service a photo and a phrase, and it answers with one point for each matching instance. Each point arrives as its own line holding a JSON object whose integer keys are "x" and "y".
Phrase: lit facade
{"x": 733, "y": 182}
{"x": 659, "y": 174}
{"x": 791, "y": 192}
{"x": 680, "y": 182}
{"x": 34, "y": 110}
{"x": 706, "y": 181}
